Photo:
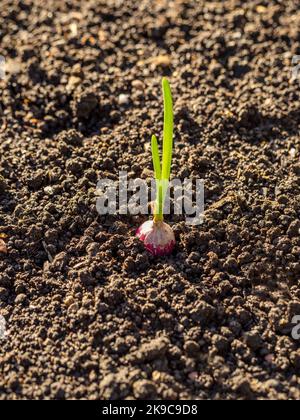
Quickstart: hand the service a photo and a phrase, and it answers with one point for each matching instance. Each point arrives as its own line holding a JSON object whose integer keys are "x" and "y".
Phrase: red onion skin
{"x": 158, "y": 238}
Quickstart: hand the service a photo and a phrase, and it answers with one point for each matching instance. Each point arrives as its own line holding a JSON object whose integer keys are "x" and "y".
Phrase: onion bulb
{"x": 157, "y": 236}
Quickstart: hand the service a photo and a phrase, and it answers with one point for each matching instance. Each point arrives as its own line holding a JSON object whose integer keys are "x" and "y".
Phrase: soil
{"x": 89, "y": 313}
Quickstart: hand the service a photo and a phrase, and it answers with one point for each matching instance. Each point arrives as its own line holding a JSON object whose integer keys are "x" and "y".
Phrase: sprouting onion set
{"x": 157, "y": 236}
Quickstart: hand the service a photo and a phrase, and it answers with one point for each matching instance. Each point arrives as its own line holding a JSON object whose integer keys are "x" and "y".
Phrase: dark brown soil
{"x": 89, "y": 313}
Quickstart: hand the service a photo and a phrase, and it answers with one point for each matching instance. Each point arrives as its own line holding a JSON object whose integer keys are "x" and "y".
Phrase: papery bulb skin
{"x": 158, "y": 237}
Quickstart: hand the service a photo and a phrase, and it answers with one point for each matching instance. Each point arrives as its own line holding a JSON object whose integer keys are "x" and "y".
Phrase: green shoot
{"x": 155, "y": 156}
{"x": 168, "y": 130}
{"x": 163, "y": 171}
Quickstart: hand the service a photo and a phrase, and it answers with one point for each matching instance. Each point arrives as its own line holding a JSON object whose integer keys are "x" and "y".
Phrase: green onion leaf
{"x": 168, "y": 130}
{"x": 155, "y": 157}
{"x": 162, "y": 172}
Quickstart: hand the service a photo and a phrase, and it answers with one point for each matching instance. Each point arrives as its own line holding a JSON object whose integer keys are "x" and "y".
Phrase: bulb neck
{"x": 158, "y": 219}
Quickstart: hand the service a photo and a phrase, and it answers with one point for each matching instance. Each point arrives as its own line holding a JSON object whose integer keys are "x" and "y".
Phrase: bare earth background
{"x": 89, "y": 313}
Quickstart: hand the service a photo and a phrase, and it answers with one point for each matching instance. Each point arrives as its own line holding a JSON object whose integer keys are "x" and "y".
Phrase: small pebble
{"x": 3, "y": 248}
{"x": 69, "y": 300}
{"x": 123, "y": 99}
{"x": 20, "y": 298}
{"x": 48, "y": 190}
{"x": 193, "y": 376}
{"x": 138, "y": 84}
